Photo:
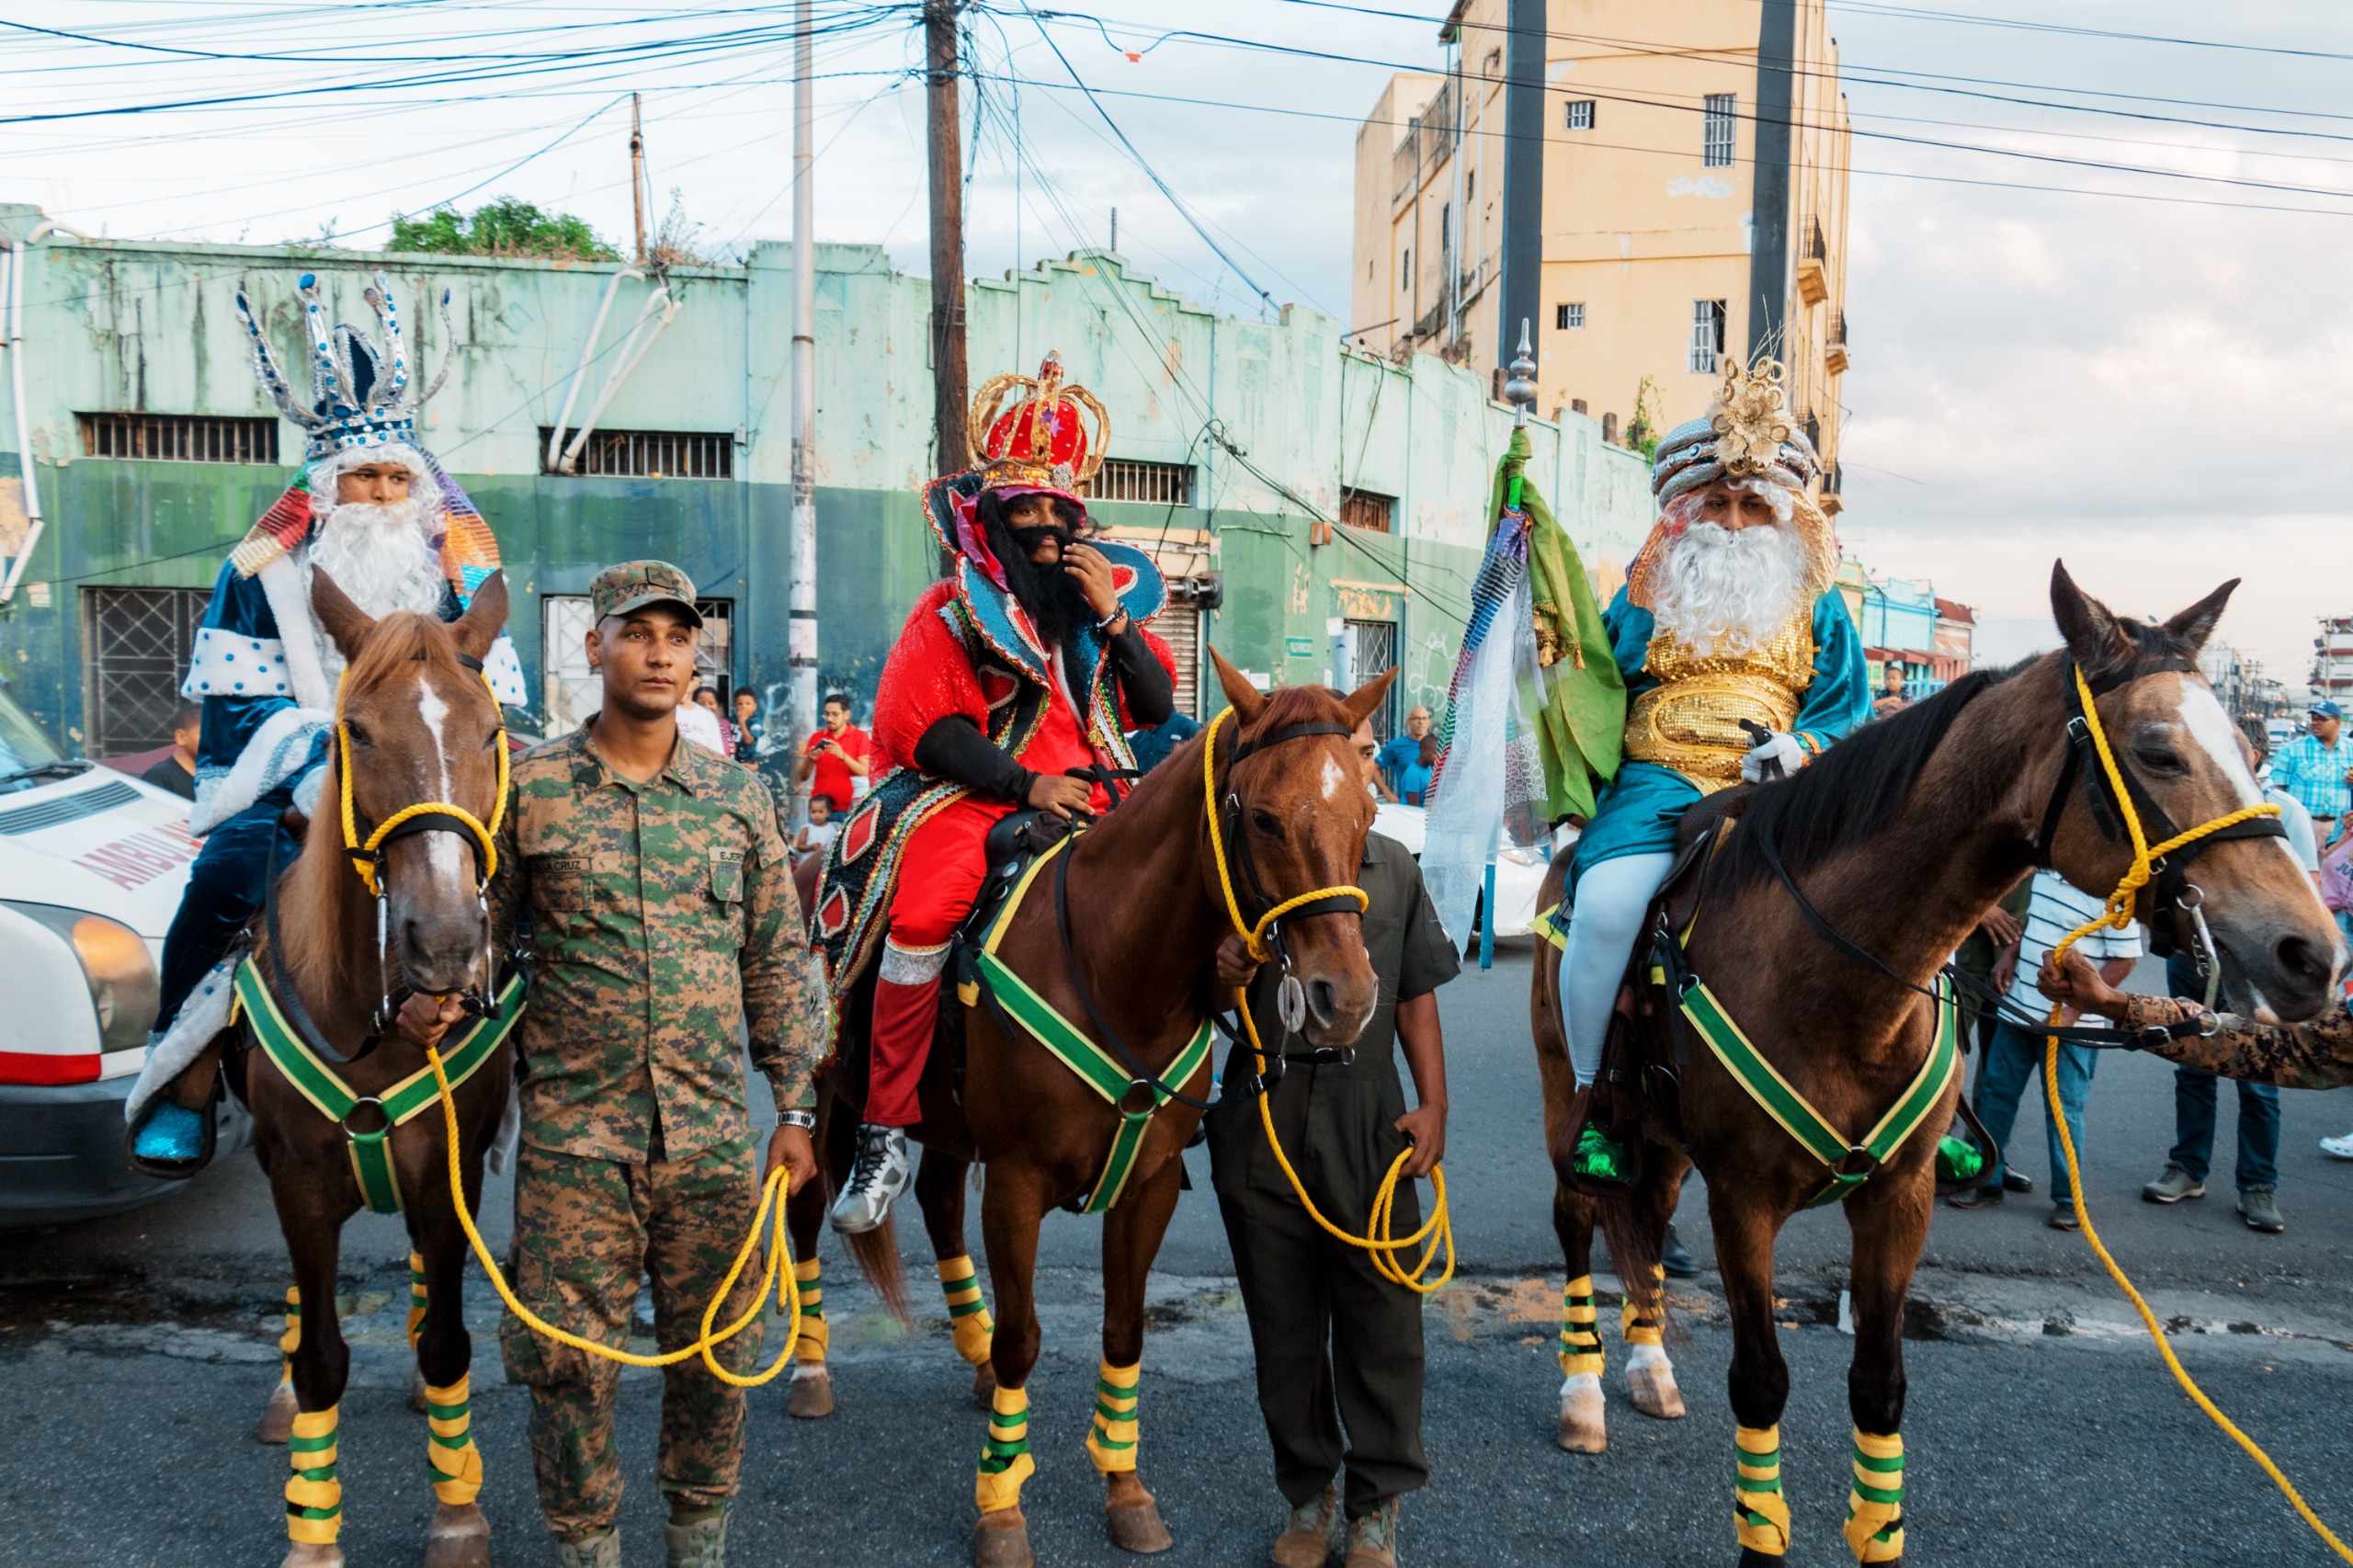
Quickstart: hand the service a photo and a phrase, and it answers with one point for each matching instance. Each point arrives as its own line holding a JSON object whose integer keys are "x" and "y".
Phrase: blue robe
{"x": 1638, "y": 813}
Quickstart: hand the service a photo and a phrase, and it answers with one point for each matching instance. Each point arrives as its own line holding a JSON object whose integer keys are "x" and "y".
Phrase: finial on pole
{"x": 1519, "y": 389}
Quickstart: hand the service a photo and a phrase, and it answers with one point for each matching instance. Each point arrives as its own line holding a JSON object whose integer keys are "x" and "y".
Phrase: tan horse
{"x": 422, "y": 727}
{"x": 1900, "y": 838}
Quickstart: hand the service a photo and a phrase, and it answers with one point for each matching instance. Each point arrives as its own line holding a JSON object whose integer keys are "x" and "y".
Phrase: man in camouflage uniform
{"x": 663, "y": 916}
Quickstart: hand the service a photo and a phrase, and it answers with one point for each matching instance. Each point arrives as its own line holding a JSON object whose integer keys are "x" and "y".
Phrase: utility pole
{"x": 1768, "y": 251}
{"x": 1523, "y": 237}
{"x": 801, "y": 644}
{"x": 637, "y": 175}
{"x": 949, "y": 376}
{"x": 1115, "y": 231}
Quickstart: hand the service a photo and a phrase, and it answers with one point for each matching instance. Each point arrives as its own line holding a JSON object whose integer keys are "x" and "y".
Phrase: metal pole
{"x": 948, "y": 371}
{"x": 1523, "y": 238}
{"x": 1769, "y": 254}
{"x": 637, "y": 175}
{"x": 802, "y": 646}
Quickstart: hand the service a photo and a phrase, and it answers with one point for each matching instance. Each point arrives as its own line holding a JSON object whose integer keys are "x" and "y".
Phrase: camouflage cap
{"x": 634, "y": 584}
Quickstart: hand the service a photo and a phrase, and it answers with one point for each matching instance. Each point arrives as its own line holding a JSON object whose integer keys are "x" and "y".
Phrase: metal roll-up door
{"x": 1180, "y": 628}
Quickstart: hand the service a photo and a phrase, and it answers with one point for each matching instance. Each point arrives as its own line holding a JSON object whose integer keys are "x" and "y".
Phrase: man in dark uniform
{"x": 1338, "y": 1348}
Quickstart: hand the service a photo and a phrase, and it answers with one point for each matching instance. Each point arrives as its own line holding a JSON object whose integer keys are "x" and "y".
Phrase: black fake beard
{"x": 1049, "y": 595}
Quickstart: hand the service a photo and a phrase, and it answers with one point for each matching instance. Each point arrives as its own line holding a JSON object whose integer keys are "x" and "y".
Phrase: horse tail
{"x": 877, "y": 1253}
{"x": 1637, "y": 1233}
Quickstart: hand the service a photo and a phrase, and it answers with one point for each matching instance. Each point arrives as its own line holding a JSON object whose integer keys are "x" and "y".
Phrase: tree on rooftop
{"x": 506, "y": 227}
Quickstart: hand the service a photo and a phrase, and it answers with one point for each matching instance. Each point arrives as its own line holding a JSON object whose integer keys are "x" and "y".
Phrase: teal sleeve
{"x": 1840, "y": 697}
{"x": 1629, "y": 626}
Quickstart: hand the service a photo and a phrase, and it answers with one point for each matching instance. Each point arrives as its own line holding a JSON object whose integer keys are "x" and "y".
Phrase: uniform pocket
{"x": 559, "y": 883}
{"x": 536, "y": 1361}
{"x": 727, "y": 875}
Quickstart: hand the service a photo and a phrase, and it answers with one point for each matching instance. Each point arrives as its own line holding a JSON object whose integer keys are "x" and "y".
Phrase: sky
{"x": 2145, "y": 370}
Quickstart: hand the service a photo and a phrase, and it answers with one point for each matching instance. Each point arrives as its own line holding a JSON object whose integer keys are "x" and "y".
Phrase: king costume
{"x": 978, "y": 701}
{"x": 267, "y": 673}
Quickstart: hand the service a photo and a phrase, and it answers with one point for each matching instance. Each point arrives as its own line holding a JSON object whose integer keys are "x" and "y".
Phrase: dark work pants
{"x": 225, "y": 888}
{"x": 1338, "y": 1350}
{"x": 2194, "y": 1108}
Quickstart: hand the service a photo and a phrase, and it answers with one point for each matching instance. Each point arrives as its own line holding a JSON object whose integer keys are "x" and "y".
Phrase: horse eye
{"x": 358, "y": 735}
{"x": 2160, "y": 759}
{"x": 1266, "y": 822}
{"x": 490, "y": 740}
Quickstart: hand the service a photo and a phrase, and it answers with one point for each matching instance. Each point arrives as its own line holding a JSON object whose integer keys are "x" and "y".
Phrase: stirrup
{"x": 173, "y": 1143}
{"x": 1602, "y": 1156}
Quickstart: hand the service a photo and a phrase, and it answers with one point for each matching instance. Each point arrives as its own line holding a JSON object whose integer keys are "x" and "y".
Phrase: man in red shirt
{"x": 835, "y": 756}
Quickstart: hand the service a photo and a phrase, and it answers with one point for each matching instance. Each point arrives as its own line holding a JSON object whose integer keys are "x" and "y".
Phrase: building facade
{"x": 1650, "y": 181}
{"x": 1320, "y": 511}
{"x": 2332, "y": 676}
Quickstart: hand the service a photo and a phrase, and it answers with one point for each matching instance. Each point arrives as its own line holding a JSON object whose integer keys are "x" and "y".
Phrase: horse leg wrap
{"x": 313, "y": 1496}
{"x": 1580, "y": 1338}
{"x": 1005, "y": 1460}
{"x": 456, "y": 1464}
{"x": 1875, "y": 1503}
{"x": 290, "y": 1340}
{"x": 968, "y": 1310}
{"x": 1637, "y": 1327}
{"x": 416, "y": 1298}
{"x": 1760, "y": 1513}
{"x": 808, "y": 1274}
{"x": 1112, "y": 1442}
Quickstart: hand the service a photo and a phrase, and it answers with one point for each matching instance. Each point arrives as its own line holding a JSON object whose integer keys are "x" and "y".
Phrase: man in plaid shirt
{"x": 2317, "y": 770}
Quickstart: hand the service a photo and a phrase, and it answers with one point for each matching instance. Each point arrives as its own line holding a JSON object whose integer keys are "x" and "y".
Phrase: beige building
{"x": 1651, "y": 112}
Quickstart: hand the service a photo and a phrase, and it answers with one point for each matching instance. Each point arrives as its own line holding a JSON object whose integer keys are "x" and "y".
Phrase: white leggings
{"x": 1610, "y": 901}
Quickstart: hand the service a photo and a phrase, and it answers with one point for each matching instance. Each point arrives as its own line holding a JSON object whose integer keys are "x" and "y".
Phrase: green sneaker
{"x": 1957, "y": 1160}
{"x": 1602, "y": 1156}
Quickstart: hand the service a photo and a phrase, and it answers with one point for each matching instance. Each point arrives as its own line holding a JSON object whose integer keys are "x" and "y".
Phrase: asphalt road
{"x": 2041, "y": 1427}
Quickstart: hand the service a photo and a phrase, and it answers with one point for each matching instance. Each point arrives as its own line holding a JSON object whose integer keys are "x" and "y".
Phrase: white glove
{"x": 1778, "y": 757}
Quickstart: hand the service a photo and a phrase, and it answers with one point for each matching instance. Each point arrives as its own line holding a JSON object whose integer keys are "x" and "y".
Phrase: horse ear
{"x": 1368, "y": 697}
{"x": 2090, "y": 629}
{"x": 479, "y": 627}
{"x": 2196, "y": 624}
{"x": 343, "y": 620}
{"x": 1247, "y": 700}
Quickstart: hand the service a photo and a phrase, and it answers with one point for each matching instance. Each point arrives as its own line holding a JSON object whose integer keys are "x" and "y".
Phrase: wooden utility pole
{"x": 950, "y": 379}
{"x": 637, "y": 174}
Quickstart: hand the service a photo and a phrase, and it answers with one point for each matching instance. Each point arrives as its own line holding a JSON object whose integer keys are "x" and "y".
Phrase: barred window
{"x": 1368, "y": 510}
{"x": 652, "y": 454}
{"x": 1578, "y": 115}
{"x": 1716, "y": 129}
{"x": 1707, "y": 334}
{"x": 1569, "y": 317}
{"x": 1160, "y": 485}
{"x": 178, "y": 437}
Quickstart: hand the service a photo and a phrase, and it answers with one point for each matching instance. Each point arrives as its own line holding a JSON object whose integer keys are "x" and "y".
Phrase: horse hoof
{"x": 1582, "y": 1431}
{"x": 306, "y": 1556}
{"x": 416, "y": 1390}
{"x": 1002, "y": 1541}
{"x": 277, "y": 1417}
{"x": 1654, "y": 1392}
{"x": 457, "y": 1537}
{"x": 811, "y": 1396}
{"x": 1132, "y": 1517}
{"x": 984, "y": 1382}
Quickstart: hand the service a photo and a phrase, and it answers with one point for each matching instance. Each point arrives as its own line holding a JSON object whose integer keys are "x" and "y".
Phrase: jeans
{"x": 225, "y": 888}
{"x": 2194, "y": 1108}
{"x": 2011, "y": 1058}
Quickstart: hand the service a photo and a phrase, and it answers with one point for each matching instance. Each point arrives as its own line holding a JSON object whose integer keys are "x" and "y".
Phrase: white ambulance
{"x": 92, "y": 863}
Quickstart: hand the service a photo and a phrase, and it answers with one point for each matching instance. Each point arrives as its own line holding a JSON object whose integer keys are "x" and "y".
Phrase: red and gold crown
{"x": 1040, "y": 441}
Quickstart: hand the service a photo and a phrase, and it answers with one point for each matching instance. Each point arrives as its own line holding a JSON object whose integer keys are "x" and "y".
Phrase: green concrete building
{"x": 1320, "y": 512}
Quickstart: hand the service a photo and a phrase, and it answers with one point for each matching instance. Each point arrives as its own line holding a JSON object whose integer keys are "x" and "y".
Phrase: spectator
{"x": 2315, "y": 769}
{"x": 1413, "y": 779}
{"x": 749, "y": 729}
{"x": 1152, "y": 747}
{"x": 1891, "y": 699}
{"x": 2015, "y": 1055}
{"x": 816, "y": 834}
{"x": 699, "y": 722}
{"x": 835, "y": 761}
{"x": 1402, "y": 752}
{"x": 707, "y": 698}
{"x": 1979, "y": 954}
{"x": 177, "y": 771}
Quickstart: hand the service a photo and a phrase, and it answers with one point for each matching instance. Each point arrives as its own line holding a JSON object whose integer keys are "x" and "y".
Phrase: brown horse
{"x": 422, "y": 727}
{"x": 1900, "y": 838}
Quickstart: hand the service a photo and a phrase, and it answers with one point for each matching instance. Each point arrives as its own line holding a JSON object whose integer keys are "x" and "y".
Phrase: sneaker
{"x": 2172, "y": 1186}
{"x": 1306, "y": 1540}
{"x": 1372, "y": 1541}
{"x": 593, "y": 1551}
{"x": 2017, "y": 1181}
{"x": 878, "y": 1176}
{"x": 1602, "y": 1156}
{"x": 2062, "y": 1217}
{"x": 1675, "y": 1259}
{"x": 2261, "y": 1211}
{"x": 1985, "y": 1196}
{"x": 2338, "y": 1148}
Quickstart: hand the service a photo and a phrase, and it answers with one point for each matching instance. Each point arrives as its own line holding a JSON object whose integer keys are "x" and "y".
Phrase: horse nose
{"x": 1322, "y": 1002}
{"x": 2305, "y": 961}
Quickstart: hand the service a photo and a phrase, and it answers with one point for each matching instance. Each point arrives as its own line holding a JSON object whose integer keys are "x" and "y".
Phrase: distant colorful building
{"x": 1904, "y": 623}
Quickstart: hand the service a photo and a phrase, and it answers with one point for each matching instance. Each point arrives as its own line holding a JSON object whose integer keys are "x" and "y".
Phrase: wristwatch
{"x": 805, "y": 1119}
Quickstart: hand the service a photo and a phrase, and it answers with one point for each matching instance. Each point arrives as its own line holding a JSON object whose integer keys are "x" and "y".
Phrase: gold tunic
{"x": 1690, "y": 721}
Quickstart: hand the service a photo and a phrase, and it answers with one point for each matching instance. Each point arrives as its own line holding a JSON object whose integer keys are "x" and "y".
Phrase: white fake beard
{"x": 380, "y": 556}
{"x": 1730, "y": 592}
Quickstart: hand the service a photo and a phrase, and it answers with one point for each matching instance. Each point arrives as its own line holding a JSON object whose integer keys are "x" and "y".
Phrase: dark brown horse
{"x": 422, "y": 727}
{"x": 1900, "y": 838}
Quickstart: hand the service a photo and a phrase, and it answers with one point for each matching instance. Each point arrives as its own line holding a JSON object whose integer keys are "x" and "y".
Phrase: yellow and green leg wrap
{"x": 1005, "y": 1460}
{"x": 808, "y": 1275}
{"x": 968, "y": 1310}
{"x": 415, "y": 1298}
{"x": 1875, "y": 1504}
{"x": 313, "y": 1496}
{"x": 1111, "y": 1443}
{"x": 291, "y": 1339}
{"x": 456, "y": 1464}
{"x": 1636, "y": 1328}
{"x": 1580, "y": 1330}
{"x": 1760, "y": 1513}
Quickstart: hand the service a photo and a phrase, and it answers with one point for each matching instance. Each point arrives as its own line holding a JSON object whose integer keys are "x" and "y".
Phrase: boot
{"x": 1957, "y": 1160}
{"x": 591, "y": 1551}
{"x": 1306, "y": 1540}
{"x": 1372, "y": 1541}
{"x": 880, "y": 1176}
{"x": 173, "y": 1142}
{"x": 1601, "y": 1155}
{"x": 701, "y": 1544}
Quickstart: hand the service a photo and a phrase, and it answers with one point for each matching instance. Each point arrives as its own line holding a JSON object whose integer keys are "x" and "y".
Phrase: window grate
{"x": 178, "y": 437}
{"x": 1717, "y": 131}
{"x": 136, "y": 643}
{"x": 1579, "y": 114}
{"x": 653, "y": 454}
{"x": 1158, "y": 484}
{"x": 1569, "y": 317}
{"x": 1368, "y": 510}
{"x": 1707, "y": 334}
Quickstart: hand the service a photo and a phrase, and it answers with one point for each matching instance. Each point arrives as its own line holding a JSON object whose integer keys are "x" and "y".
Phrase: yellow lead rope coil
{"x": 2119, "y": 914}
{"x": 1388, "y": 1249}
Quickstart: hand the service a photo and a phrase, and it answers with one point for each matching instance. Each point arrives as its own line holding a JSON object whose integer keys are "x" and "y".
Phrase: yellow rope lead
{"x": 2119, "y": 914}
{"x": 780, "y": 1277}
